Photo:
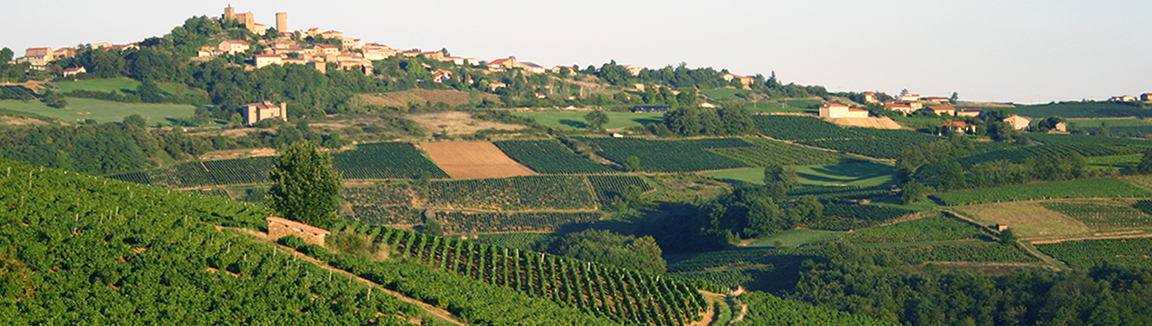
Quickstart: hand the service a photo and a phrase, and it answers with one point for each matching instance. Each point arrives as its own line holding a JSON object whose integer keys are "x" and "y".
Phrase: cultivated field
{"x": 474, "y": 160}
{"x": 575, "y": 119}
{"x": 456, "y": 123}
{"x": 1026, "y": 219}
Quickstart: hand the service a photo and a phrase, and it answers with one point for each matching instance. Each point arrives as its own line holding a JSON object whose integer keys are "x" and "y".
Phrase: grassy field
{"x": 1115, "y": 162}
{"x": 123, "y": 85}
{"x": 575, "y": 119}
{"x": 79, "y": 109}
{"x": 1026, "y": 219}
{"x": 863, "y": 174}
{"x": 725, "y": 94}
{"x": 794, "y": 238}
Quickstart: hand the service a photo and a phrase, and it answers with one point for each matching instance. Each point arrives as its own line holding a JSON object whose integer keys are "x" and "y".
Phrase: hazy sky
{"x": 1020, "y": 51}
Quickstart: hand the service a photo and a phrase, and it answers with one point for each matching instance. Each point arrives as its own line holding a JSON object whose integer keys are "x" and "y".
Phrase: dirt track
{"x": 474, "y": 160}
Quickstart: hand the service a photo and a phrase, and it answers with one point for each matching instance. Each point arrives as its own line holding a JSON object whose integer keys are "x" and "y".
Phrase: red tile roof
{"x": 857, "y": 110}
{"x": 955, "y": 124}
{"x": 942, "y": 108}
{"x": 837, "y": 105}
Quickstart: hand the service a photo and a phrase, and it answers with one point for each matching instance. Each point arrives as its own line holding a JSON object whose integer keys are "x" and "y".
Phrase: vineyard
{"x": 1102, "y": 216}
{"x": 1133, "y": 252}
{"x": 1100, "y": 187}
{"x": 483, "y": 222}
{"x": 855, "y": 217}
{"x": 549, "y": 157}
{"x": 1058, "y": 139}
{"x": 816, "y": 132}
{"x": 765, "y": 152}
{"x": 608, "y": 187}
{"x": 383, "y": 205}
{"x": 1081, "y": 110}
{"x": 984, "y": 252}
{"x": 540, "y": 192}
{"x": 622, "y": 295}
{"x": 840, "y": 192}
{"x": 86, "y": 250}
{"x": 385, "y": 161}
{"x": 713, "y": 259}
{"x": 1021, "y": 153}
{"x": 766, "y": 309}
{"x": 936, "y": 228}
{"x": 670, "y": 155}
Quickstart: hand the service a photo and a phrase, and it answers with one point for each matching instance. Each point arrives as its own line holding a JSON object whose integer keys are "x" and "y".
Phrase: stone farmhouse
{"x": 254, "y": 112}
{"x": 279, "y": 228}
{"x": 1018, "y": 122}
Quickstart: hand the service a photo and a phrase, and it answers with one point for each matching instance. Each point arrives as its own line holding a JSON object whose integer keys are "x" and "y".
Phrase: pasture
{"x": 856, "y": 173}
{"x": 1026, "y": 219}
{"x": 80, "y": 109}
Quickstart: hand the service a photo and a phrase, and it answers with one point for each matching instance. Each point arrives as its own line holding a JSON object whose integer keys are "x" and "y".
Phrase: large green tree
{"x": 305, "y": 187}
{"x": 596, "y": 119}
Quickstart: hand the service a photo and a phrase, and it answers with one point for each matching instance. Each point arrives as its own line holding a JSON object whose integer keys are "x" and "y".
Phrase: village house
{"x": 233, "y": 46}
{"x": 64, "y": 53}
{"x": 837, "y": 110}
{"x": 1146, "y": 97}
{"x": 279, "y": 228}
{"x": 352, "y": 43}
{"x": 747, "y": 81}
{"x": 502, "y": 64}
{"x": 959, "y": 126}
{"x": 434, "y": 55}
{"x": 1123, "y": 98}
{"x": 332, "y": 35}
{"x": 38, "y": 58}
{"x": 1060, "y": 127}
{"x": 254, "y": 112}
{"x": 73, "y": 71}
{"x": 441, "y": 75}
{"x": 870, "y": 98}
{"x": 943, "y": 110}
{"x": 263, "y": 60}
{"x": 494, "y": 85}
{"x": 531, "y": 67}
{"x": 410, "y": 53}
{"x": 560, "y": 69}
{"x": 908, "y": 97}
{"x": 969, "y": 112}
{"x": 634, "y": 70}
{"x": 325, "y": 49}
{"x": 1018, "y": 122}
{"x": 936, "y": 100}
{"x": 900, "y": 107}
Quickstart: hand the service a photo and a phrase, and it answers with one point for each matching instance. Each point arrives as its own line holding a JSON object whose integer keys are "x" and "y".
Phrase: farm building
{"x": 959, "y": 126}
{"x": 73, "y": 71}
{"x": 1146, "y": 97}
{"x": 254, "y": 112}
{"x": 969, "y": 112}
{"x": 1123, "y": 98}
{"x": 943, "y": 110}
{"x": 279, "y": 228}
{"x": 1018, "y": 122}
{"x": 900, "y": 107}
{"x": 650, "y": 108}
{"x": 836, "y": 110}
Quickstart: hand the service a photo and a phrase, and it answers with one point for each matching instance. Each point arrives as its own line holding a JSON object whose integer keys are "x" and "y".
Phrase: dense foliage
{"x": 766, "y": 309}
{"x": 305, "y": 188}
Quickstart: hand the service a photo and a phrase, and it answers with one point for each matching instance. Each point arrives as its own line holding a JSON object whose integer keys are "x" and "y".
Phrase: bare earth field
{"x": 238, "y": 153}
{"x": 457, "y": 123}
{"x": 1025, "y": 218}
{"x": 878, "y": 123}
{"x": 421, "y": 96}
{"x": 474, "y": 160}
{"x": 7, "y": 120}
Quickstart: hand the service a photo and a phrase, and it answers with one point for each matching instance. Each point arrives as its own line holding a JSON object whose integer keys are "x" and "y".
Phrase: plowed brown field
{"x": 474, "y": 160}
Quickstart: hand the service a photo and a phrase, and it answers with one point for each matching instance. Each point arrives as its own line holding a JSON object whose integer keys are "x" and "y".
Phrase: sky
{"x": 1020, "y": 51}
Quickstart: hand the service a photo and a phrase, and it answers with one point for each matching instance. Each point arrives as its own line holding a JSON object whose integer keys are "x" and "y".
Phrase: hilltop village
{"x": 234, "y": 172}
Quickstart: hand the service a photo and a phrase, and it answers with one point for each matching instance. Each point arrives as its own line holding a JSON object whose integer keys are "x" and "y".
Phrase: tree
{"x": 1145, "y": 165}
{"x": 596, "y": 119}
{"x": 1007, "y": 237}
{"x": 776, "y": 173}
{"x": 5, "y": 55}
{"x": 955, "y": 97}
{"x": 305, "y": 187}
{"x": 149, "y": 92}
{"x": 54, "y": 99}
{"x": 632, "y": 164}
{"x": 135, "y": 120}
{"x": 913, "y": 192}
{"x": 433, "y": 227}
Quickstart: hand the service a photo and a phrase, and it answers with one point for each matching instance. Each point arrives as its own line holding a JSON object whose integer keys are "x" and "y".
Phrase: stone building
{"x": 279, "y": 228}
{"x": 254, "y": 112}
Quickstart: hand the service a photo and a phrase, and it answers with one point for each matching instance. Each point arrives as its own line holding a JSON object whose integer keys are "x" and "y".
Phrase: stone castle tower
{"x": 282, "y": 22}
